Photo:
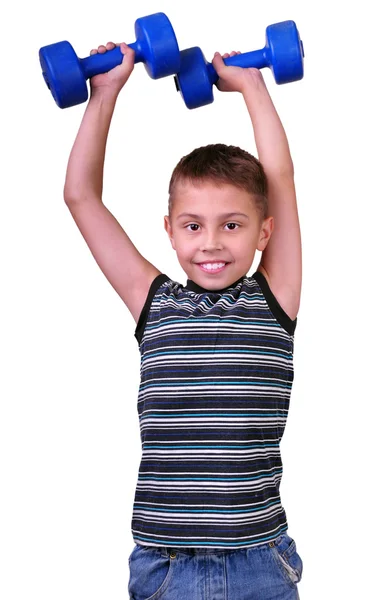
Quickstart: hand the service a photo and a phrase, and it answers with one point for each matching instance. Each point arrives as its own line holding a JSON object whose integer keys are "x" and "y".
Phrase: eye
{"x": 192, "y": 225}
{"x": 234, "y": 226}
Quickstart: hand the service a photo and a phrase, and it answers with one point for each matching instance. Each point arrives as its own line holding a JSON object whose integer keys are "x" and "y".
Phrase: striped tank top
{"x": 215, "y": 383}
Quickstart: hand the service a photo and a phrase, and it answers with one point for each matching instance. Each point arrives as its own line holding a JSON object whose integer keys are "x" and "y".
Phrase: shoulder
{"x": 286, "y": 320}
{"x": 162, "y": 284}
{"x": 284, "y": 296}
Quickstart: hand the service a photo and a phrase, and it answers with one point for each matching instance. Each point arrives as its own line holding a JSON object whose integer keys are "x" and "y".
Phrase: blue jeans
{"x": 269, "y": 571}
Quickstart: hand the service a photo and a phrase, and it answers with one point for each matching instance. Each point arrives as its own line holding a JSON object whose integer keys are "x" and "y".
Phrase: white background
{"x": 69, "y": 436}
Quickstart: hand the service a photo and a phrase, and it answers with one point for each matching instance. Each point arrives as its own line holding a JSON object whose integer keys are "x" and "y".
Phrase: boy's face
{"x": 215, "y": 231}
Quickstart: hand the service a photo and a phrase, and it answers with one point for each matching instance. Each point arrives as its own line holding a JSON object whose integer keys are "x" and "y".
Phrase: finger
{"x": 110, "y": 46}
{"x": 94, "y": 51}
{"x": 101, "y": 49}
{"x": 226, "y": 55}
{"x": 218, "y": 62}
{"x": 125, "y": 49}
{"x": 129, "y": 55}
{"x": 233, "y": 53}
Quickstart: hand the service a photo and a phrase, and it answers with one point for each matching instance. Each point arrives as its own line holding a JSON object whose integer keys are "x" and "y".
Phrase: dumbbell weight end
{"x": 63, "y": 74}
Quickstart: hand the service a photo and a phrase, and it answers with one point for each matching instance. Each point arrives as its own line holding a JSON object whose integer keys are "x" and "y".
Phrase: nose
{"x": 210, "y": 242}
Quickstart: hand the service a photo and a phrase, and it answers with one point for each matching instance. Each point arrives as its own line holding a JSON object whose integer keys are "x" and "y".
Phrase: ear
{"x": 168, "y": 228}
{"x": 265, "y": 233}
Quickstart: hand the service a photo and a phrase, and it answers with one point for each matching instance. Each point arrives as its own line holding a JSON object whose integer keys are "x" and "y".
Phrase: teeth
{"x": 212, "y": 266}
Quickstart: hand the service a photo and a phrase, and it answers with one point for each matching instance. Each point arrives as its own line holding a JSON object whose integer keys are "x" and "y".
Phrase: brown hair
{"x": 223, "y": 164}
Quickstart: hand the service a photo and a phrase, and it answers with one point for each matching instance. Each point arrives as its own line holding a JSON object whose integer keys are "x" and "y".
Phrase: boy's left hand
{"x": 235, "y": 79}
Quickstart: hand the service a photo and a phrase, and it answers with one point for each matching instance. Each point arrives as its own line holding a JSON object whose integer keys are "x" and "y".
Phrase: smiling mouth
{"x": 212, "y": 267}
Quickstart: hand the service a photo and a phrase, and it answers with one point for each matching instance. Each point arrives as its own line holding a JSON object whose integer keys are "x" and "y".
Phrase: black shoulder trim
{"x": 155, "y": 285}
{"x": 277, "y": 311}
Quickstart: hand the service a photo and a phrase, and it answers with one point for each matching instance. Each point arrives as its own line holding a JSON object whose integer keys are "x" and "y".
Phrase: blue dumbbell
{"x": 283, "y": 54}
{"x": 66, "y": 74}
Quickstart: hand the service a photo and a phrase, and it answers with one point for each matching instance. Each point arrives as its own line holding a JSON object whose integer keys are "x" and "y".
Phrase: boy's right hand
{"x": 113, "y": 80}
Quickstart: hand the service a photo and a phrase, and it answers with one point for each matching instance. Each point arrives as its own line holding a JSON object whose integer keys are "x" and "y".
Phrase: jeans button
{"x": 172, "y": 554}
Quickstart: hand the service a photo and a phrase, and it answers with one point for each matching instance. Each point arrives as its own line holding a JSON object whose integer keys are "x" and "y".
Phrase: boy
{"x": 216, "y": 354}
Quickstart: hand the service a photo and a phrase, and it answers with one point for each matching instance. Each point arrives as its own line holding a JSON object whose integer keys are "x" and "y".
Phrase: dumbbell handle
{"x": 102, "y": 63}
{"x": 257, "y": 59}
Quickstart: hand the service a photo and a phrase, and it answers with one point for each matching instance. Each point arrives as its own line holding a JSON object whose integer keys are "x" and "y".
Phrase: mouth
{"x": 213, "y": 267}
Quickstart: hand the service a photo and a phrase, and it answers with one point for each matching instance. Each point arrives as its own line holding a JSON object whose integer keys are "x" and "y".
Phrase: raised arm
{"x": 126, "y": 269}
{"x": 281, "y": 261}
